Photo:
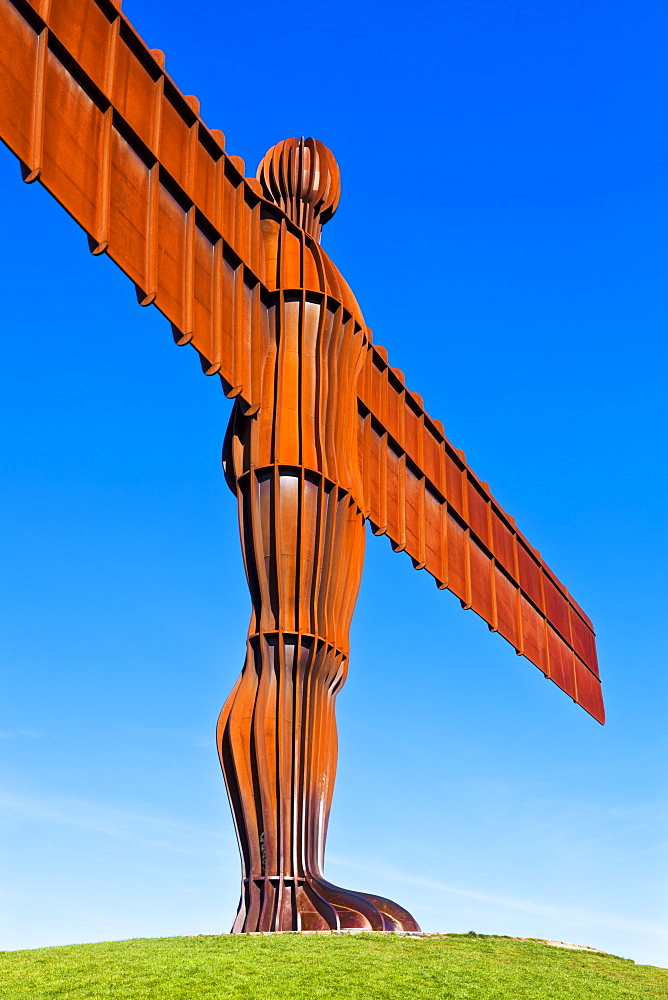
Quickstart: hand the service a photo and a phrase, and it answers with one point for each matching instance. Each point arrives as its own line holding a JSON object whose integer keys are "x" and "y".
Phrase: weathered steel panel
{"x": 89, "y": 111}
{"x": 490, "y": 565}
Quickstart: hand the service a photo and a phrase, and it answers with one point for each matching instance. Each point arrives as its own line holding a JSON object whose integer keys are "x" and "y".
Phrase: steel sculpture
{"x": 324, "y": 433}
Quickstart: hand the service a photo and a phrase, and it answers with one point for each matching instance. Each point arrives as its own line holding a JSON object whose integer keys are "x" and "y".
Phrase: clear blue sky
{"x": 504, "y": 226}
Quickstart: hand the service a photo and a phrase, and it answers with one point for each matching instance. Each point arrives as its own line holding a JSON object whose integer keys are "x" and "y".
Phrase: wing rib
{"x": 91, "y": 113}
{"x": 421, "y": 492}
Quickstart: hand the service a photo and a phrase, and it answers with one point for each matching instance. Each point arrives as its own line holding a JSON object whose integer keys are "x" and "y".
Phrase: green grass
{"x": 346, "y": 967}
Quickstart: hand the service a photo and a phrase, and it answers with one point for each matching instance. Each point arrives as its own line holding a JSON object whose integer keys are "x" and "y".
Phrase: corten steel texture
{"x": 295, "y": 470}
{"x": 324, "y": 434}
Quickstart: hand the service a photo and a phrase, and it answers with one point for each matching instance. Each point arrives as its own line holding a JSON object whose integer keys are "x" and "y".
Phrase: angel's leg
{"x": 303, "y": 542}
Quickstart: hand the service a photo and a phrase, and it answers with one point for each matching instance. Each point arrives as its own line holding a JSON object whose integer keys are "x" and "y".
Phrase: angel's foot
{"x": 313, "y": 904}
{"x": 363, "y": 910}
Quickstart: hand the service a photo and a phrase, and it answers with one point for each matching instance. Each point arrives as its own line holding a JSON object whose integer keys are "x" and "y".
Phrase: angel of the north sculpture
{"x": 324, "y": 434}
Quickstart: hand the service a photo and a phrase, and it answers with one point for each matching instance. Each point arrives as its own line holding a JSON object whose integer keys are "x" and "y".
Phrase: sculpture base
{"x": 305, "y": 903}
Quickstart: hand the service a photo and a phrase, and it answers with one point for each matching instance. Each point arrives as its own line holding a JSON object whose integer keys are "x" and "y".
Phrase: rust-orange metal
{"x": 324, "y": 434}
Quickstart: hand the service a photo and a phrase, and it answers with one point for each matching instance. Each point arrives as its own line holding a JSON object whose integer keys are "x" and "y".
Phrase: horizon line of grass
{"x": 294, "y": 966}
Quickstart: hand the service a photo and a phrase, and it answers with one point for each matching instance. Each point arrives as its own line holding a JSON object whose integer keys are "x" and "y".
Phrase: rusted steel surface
{"x": 294, "y": 467}
{"x": 90, "y": 112}
{"x": 420, "y": 491}
{"x": 324, "y": 433}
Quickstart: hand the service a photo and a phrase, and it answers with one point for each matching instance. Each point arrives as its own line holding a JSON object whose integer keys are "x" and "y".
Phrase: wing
{"x": 91, "y": 113}
{"x": 421, "y": 492}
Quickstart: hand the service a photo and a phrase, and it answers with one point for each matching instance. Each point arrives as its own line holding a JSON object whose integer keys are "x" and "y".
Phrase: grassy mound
{"x": 346, "y": 967}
